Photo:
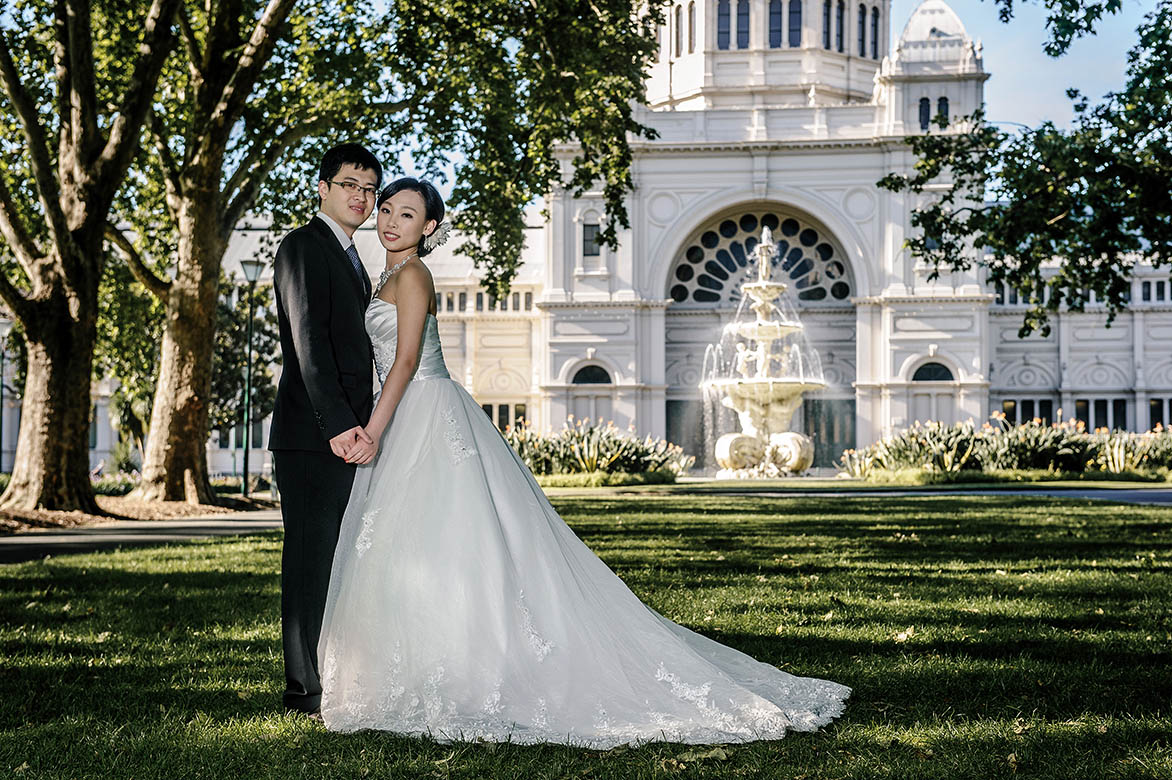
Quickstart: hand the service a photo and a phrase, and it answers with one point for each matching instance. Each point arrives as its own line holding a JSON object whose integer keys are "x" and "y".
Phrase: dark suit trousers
{"x": 315, "y": 487}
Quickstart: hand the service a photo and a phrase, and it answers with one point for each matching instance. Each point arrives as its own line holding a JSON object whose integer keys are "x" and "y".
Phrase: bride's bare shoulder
{"x": 417, "y": 278}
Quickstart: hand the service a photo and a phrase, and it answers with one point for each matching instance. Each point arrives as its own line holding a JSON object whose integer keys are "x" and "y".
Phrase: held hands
{"x": 364, "y": 449}
{"x": 344, "y": 443}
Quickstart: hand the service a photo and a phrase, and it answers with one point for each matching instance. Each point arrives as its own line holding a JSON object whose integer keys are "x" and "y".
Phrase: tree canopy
{"x": 1057, "y": 215}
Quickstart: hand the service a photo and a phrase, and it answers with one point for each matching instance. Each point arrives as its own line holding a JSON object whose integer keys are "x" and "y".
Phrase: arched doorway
{"x": 703, "y": 283}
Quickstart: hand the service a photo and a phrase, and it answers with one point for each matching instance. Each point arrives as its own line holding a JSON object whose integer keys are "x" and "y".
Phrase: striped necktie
{"x": 352, "y": 253}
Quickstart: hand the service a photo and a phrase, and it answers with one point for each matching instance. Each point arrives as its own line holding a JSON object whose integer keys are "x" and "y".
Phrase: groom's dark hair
{"x": 354, "y": 154}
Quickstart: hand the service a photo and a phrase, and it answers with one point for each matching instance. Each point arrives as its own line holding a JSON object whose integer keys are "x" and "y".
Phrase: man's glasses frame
{"x": 354, "y": 188}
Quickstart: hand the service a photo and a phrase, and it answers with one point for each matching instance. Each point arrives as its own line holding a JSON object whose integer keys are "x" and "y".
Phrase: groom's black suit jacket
{"x": 327, "y": 379}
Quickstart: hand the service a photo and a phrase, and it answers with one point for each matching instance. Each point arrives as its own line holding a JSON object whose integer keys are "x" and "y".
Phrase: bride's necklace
{"x": 387, "y": 273}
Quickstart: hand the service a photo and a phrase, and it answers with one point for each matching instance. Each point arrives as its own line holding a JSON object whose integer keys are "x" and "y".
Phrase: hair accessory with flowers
{"x": 438, "y": 236}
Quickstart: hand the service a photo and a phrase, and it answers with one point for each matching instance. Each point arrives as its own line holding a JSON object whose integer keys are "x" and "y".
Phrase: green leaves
{"x": 228, "y": 372}
{"x": 1056, "y": 214}
{"x": 533, "y": 96}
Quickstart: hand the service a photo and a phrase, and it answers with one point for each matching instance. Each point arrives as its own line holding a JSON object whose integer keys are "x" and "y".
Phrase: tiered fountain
{"x": 760, "y": 369}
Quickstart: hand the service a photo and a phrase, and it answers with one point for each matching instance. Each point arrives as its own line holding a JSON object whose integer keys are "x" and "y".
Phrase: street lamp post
{"x": 5, "y": 328}
{"x": 252, "y": 269}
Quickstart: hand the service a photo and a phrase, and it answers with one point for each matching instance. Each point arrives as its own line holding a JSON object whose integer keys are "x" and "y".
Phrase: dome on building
{"x": 935, "y": 38}
{"x": 933, "y": 20}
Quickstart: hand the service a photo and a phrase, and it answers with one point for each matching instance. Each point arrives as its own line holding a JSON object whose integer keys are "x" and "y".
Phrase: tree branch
{"x": 61, "y": 73}
{"x": 34, "y": 135}
{"x": 21, "y": 306}
{"x": 156, "y": 285}
{"x": 191, "y": 43}
{"x": 170, "y": 168}
{"x": 15, "y": 232}
{"x": 248, "y": 67}
{"x": 157, "y": 40}
{"x": 246, "y": 180}
{"x": 83, "y": 92}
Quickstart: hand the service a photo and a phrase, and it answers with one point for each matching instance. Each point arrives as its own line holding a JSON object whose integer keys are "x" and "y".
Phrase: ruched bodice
{"x": 382, "y": 324}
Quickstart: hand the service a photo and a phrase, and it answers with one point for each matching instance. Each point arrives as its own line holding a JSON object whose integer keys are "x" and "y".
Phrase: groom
{"x": 323, "y": 399}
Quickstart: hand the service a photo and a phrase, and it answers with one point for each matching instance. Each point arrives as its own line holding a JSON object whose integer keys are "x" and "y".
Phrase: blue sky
{"x": 1026, "y": 85}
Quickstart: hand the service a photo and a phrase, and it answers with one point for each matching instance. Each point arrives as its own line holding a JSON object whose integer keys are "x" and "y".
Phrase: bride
{"x": 461, "y": 606}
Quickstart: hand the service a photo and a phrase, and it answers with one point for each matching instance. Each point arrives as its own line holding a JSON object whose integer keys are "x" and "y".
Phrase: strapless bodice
{"x": 382, "y": 324}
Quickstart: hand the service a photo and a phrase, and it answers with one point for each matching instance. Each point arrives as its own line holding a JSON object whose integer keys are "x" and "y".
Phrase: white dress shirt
{"x": 340, "y": 234}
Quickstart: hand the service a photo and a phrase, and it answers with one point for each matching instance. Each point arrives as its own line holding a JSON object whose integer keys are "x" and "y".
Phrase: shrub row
{"x": 1065, "y": 447}
{"x": 586, "y": 447}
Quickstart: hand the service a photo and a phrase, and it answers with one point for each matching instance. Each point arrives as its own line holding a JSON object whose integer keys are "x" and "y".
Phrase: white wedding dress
{"x": 461, "y": 606}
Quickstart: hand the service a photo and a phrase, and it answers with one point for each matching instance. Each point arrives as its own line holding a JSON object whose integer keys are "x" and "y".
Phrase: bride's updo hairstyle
{"x": 433, "y": 203}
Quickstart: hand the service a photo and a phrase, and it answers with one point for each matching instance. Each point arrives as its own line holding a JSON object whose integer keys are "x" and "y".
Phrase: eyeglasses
{"x": 354, "y": 188}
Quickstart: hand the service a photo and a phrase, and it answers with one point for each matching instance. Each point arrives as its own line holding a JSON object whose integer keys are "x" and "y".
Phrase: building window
{"x": 528, "y": 301}
{"x": 722, "y": 24}
{"x": 224, "y": 439}
{"x": 862, "y": 30}
{"x": 258, "y": 435}
{"x": 1095, "y": 413}
{"x": 775, "y": 24}
{"x": 94, "y": 428}
{"x": 591, "y": 375}
{"x": 826, "y": 24}
{"x": 679, "y": 22}
{"x": 1159, "y": 412}
{"x": 1022, "y": 410}
{"x": 691, "y": 27}
{"x": 742, "y": 24}
{"x": 840, "y": 26}
{"x": 875, "y": 32}
{"x": 712, "y": 269}
{"x": 795, "y": 23}
{"x": 479, "y": 301}
{"x": 505, "y": 415}
{"x": 439, "y": 302}
{"x": 942, "y": 108}
{"x": 925, "y": 113}
{"x": 932, "y": 372}
{"x": 591, "y": 246}
{"x": 463, "y": 301}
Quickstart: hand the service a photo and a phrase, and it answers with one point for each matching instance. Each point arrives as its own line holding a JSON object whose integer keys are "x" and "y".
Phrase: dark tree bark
{"x": 59, "y": 249}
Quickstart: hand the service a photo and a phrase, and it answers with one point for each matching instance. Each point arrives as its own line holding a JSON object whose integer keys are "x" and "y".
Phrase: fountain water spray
{"x": 760, "y": 369}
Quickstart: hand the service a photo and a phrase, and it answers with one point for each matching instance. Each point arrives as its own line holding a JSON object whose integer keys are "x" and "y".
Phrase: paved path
{"x": 134, "y": 533}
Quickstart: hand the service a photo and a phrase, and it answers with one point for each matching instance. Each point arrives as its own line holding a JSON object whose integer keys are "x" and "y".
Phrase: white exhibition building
{"x": 785, "y": 115}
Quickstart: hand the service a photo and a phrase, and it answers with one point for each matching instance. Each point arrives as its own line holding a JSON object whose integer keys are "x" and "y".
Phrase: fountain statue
{"x": 760, "y": 369}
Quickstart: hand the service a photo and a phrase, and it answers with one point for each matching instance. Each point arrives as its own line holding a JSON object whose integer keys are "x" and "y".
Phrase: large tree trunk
{"x": 175, "y": 467}
{"x": 52, "y": 468}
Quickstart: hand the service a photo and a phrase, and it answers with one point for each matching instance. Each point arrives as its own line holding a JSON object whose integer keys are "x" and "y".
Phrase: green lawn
{"x": 984, "y": 637}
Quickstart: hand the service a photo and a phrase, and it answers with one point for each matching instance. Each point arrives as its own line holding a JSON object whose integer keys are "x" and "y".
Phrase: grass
{"x": 984, "y": 637}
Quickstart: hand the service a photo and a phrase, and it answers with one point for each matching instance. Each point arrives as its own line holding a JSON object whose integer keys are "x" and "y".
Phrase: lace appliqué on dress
{"x": 365, "y": 536}
{"x": 538, "y": 644}
{"x": 458, "y": 449}
{"x": 384, "y": 357}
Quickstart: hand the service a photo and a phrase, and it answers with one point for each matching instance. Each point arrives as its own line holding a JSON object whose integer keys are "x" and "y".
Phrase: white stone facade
{"x": 798, "y": 136}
